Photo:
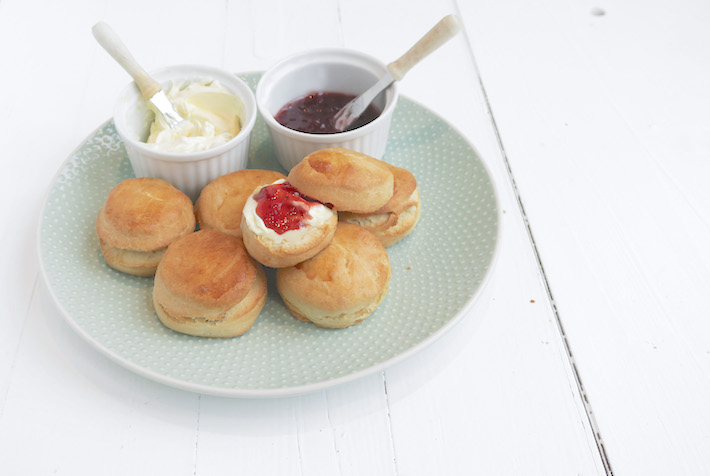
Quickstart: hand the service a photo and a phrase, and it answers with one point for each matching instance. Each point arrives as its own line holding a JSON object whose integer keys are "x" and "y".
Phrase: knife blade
{"x": 354, "y": 109}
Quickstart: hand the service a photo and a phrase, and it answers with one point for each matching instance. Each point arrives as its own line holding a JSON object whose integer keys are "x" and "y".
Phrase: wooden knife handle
{"x": 115, "y": 47}
{"x": 437, "y": 36}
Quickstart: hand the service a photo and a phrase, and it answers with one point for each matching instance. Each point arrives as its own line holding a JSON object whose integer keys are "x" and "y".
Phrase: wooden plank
{"x": 602, "y": 128}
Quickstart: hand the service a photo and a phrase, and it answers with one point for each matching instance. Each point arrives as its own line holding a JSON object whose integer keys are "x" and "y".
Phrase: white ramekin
{"x": 190, "y": 171}
{"x": 328, "y": 70}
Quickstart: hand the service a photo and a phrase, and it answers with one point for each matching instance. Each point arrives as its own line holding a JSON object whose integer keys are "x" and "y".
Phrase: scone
{"x": 220, "y": 203}
{"x": 281, "y": 227}
{"x": 207, "y": 285}
{"x": 139, "y": 219}
{"x": 398, "y": 217}
{"x": 346, "y": 179}
{"x": 341, "y": 285}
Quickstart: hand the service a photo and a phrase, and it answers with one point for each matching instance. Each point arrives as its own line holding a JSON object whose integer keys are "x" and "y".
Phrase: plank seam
{"x": 197, "y": 433}
{"x": 389, "y": 423}
{"x": 578, "y": 381}
{"x": 570, "y": 357}
{"x": 336, "y": 451}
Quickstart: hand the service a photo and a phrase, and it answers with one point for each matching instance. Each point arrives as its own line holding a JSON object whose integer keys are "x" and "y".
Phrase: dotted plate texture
{"x": 437, "y": 271}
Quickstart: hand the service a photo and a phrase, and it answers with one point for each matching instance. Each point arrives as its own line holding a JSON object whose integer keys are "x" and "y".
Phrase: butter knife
{"x": 151, "y": 90}
{"x": 440, "y": 33}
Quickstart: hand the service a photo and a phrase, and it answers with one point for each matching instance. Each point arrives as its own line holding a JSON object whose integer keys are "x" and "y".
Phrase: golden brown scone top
{"x": 144, "y": 214}
{"x": 207, "y": 268}
{"x": 354, "y": 268}
{"x": 346, "y": 179}
{"x": 221, "y": 202}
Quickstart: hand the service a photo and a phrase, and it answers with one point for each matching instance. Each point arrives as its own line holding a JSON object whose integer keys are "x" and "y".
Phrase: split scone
{"x": 346, "y": 179}
{"x": 398, "y": 217}
{"x": 221, "y": 202}
{"x": 282, "y": 227}
{"x": 140, "y": 218}
{"x": 340, "y": 286}
{"x": 207, "y": 285}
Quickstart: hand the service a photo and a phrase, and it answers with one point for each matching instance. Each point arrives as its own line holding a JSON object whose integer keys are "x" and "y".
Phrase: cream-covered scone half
{"x": 343, "y": 284}
{"x": 140, "y": 218}
{"x": 398, "y": 217}
{"x": 207, "y": 285}
{"x": 221, "y": 202}
{"x": 282, "y": 227}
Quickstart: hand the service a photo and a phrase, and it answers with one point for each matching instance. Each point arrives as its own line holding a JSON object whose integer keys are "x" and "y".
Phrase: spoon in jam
{"x": 434, "y": 38}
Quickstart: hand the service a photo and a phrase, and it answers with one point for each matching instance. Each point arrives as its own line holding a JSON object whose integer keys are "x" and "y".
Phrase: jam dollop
{"x": 282, "y": 207}
{"x": 315, "y": 113}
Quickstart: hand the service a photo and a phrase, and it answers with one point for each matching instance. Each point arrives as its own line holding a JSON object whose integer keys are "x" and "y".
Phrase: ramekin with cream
{"x": 194, "y": 157}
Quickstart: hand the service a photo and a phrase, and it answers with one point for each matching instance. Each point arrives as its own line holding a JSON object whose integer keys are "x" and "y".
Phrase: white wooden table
{"x": 587, "y": 351}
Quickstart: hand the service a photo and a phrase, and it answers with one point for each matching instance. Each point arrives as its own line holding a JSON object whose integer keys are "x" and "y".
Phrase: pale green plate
{"x": 437, "y": 272}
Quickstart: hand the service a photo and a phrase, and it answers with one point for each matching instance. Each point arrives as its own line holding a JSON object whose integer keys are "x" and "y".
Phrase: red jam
{"x": 282, "y": 207}
{"x": 315, "y": 113}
